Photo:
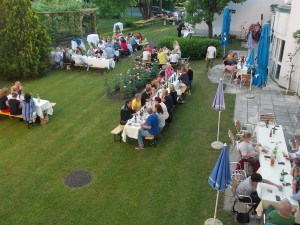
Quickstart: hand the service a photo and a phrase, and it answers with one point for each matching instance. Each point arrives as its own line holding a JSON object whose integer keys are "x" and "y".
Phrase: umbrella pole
{"x": 251, "y": 80}
{"x": 219, "y": 125}
{"x": 216, "y": 207}
{"x": 224, "y": 51}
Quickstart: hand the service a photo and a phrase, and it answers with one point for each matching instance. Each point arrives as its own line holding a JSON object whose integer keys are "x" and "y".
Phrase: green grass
{"x": 236, "y": 45}
{"x": 163, "y": 185}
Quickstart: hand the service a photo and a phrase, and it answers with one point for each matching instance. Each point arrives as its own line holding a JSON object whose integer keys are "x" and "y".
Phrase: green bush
{"x": 132, "y": 81}
{"x": 24, "y": 43}
{"x": 194, "y": 47}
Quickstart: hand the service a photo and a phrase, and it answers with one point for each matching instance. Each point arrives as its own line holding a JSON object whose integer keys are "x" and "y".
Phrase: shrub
{"x": 132, "y": 81}
{"x": 24, "y": 43}
{"x": 195, "y": 48}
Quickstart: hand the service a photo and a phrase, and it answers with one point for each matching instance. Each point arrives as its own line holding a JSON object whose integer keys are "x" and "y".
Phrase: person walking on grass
{"x": 210, "y": 56}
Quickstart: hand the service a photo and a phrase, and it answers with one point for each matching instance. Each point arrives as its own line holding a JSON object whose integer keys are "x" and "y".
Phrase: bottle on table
{"x": 270, "y": 133}
{"x": 275, "y": 152}
{"x": 272, "y": 160}
{"x": 282, "y": 176}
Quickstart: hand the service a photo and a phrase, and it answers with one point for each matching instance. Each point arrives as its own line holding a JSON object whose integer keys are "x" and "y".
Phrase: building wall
{"x": 247, "y": 13}
{"x": 284, "y": 27}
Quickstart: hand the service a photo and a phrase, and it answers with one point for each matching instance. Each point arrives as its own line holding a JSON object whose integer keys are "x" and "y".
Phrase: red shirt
{"x": 140, "y": 37}
{"x": 124, "y": 46}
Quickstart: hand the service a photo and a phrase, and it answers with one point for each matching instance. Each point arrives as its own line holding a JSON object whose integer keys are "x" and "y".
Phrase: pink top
{"x": 169, "y": 72}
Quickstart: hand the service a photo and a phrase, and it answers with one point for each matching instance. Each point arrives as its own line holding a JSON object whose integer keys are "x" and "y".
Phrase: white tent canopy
{"x": 119, "y": 24}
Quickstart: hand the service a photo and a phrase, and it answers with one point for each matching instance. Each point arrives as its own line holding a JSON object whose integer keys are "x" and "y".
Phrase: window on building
{"x": 281, "y": 51}
{"x": 276, "y": 47}
{"x": 278, "y": 71}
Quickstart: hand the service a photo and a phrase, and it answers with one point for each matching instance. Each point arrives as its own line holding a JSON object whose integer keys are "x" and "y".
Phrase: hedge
{"x": 193, "y": 47}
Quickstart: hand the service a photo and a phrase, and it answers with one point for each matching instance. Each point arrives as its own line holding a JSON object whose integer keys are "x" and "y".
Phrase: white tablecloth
{"x": 273, "y": 173}
{"x": 93, "y": 38}
{"x": 100, "y": 62}
{"x": 132, "y": 130}
{"x": 186, "y": 33}
{"x": 119, "y": 24}
{"x": 241, "y": 70}
{"x": 39, "y": 107}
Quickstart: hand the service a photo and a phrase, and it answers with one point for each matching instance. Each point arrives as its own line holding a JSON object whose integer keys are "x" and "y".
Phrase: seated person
{"x": 17, "y": 88}
{"x": 146, "y": 95}
{"x": 230, "y": 68}
{"x": 146, "y": 55}
{"x": 161, "y": 117}
{"x": 225, "y": 61}
{"x": 4, "y": 106}
{"x": 139, "y": 36}
{"x": 98, "y": 52}
{"x": 154, "y": 53}
{"x": 296, "y": 176}
{"x": 126, "y": 112}
{"x": 15, "y": 107}
{"x": 173, "y": 58}
{"x": 173, "y": 93}
{"x": 108, "y": 44}
{"x": 110, "y": 52}
{"x": 176, "y": 48}
{"x": 283, "y": 216}
{"x": 157, "y": 100}
{"x": 136, "y": 103}
{"x": 294, "y": 155}
{"x": 133, "y": 43}
{"x": 184, "y": 78}
{"x": 234, "y": 59}
{"x": 156, "y": 83}
{"x": 248, "y": 187}
{"x": 67, "y": 57}
{"x": 229, "y": 55}
{"x": 124, "y": 45}
{"x": 167, "y": 99}
{"x": 190, "y": 73}
{"x": 28, "y": 107}
{"x": 169, "y": 70}
{"x": 58, "y": 58}
{"x": 150, "y": 128}
{"x": 246, "y": 147}
{"x": 161, "y": 56}
{"x": 101, "y": 45}
{"x": 91, "y": 51}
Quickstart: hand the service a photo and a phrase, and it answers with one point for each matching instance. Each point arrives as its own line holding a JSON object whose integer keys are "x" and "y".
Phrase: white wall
{"x": 290, "y": 25}
{"x": 248, "y": 12}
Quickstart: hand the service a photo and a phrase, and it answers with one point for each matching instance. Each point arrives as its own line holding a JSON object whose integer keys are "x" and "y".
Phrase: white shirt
{"x": 165, "y": 110}
{"x": 146, "y": 55}
{"x": 102, "y": 46}
{"x": 246, "y": 148}
{"x": 177, "y": 48}
{"x": 211, "y": 52}
{"x": 174, "y": 58}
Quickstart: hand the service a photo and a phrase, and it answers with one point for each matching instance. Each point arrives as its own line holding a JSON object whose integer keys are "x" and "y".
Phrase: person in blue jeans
{"x": 150, "y": 128}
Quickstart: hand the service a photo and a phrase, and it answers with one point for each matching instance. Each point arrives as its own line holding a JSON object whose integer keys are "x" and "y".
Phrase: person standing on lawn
{"x": 210, "y": 56}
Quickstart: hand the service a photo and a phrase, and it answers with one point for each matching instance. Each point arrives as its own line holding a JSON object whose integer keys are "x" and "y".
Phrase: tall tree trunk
{"x": 160, "y": 6}
{"x": 210, "y": 29}
{"x": 145, "y": 9}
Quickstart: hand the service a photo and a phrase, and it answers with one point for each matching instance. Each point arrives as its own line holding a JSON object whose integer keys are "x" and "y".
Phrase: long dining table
{"x": 132, "y": 127}
{"x": 268, "y": 193}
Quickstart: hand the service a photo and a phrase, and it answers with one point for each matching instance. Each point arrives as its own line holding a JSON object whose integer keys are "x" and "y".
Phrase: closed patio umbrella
{"x": 220, "y": 179}
{"x": 219, "y": 104}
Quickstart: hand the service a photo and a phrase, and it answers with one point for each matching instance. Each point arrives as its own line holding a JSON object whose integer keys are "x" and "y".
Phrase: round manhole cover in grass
{"x": 78, "y": 178}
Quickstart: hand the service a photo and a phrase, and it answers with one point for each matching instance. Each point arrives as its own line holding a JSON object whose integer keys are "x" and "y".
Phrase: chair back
{"x": 231, "y": 136}
{"x": 270, "y": 117}
{"x": 237, "y": 176}
{"x": 238, "y": 126}
{"x": 246, "y": 77}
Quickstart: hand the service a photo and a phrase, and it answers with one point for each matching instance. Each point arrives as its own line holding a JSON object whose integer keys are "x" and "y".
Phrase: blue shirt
{"x": 117, "y": 47}
{"x": 109, "y": 52}
{"x": 152, "y": 122}
{"x": 132, "y": 40}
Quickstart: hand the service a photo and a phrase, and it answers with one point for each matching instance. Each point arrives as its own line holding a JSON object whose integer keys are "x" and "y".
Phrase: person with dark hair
{"x": 28, "y": 107}
{"x": 248, "y": 187}
{"x": 180, "y": 26}
{"x": 150, "y": 128}
{"x": 157, "y": 100}
{"x": 173, "y": 93}
{"x": 146, "y": 95}
{"x": 167, "y": 99}
{"x": 14, "y": 104}
{"x": 4, "y": 107}
{"x": 190, "y": 73}
{"x": 154, "y": 53}
{"x": 126, "y": 112}
{"x": 184, "y": 78}
{"x": 160, "y": 113}
{"x": 234, "y": 59}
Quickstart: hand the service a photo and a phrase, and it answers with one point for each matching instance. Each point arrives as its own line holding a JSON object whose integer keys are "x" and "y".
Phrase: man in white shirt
{"x": 210, "y": 55}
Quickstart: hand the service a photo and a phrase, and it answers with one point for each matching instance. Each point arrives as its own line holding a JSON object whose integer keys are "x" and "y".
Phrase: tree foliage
{"x": 24, "y": 43}
{"x": 205, "y": 10}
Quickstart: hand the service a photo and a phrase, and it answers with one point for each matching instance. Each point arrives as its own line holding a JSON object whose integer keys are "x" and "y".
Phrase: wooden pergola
{"x": 81, "y": 12}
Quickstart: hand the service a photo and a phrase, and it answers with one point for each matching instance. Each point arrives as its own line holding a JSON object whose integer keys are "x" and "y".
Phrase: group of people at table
{"x": 107, "y": 48}
{"x": 230, "y": 64}
{"x": 15, "y": 106}
{"x": 249, "y": 152}
{"x": 159, "y": 108}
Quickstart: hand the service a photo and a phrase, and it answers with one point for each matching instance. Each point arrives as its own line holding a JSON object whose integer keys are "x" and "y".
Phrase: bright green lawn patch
{"x": 163, "y": 185}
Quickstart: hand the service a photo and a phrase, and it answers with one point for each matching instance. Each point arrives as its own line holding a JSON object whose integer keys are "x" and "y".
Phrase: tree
{"x": 24, "y": 43}
{"x": 204, "y": 10}
{"x": 145, "y": 7}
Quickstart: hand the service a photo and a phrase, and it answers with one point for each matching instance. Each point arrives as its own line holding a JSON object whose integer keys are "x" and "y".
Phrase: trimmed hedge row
{"x": 193, "y": 47}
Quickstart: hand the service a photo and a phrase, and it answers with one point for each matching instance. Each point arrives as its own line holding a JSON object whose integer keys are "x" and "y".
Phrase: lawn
{"x": 163, "y": 185}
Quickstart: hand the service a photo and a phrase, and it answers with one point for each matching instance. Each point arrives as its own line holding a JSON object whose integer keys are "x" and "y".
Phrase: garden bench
{"x": 117, "y": 131}
{"x": 19, "y": 116}
{"x": 151, "y": 138}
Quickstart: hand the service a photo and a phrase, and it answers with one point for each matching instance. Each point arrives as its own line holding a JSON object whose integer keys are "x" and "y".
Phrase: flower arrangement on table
{"x": 132, "y": 81}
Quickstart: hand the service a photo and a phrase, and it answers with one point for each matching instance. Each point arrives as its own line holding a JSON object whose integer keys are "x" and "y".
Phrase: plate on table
{"x": 261, "y": 124}
{"x": 136, "y": 125}
{"x": 264, "y": 151}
